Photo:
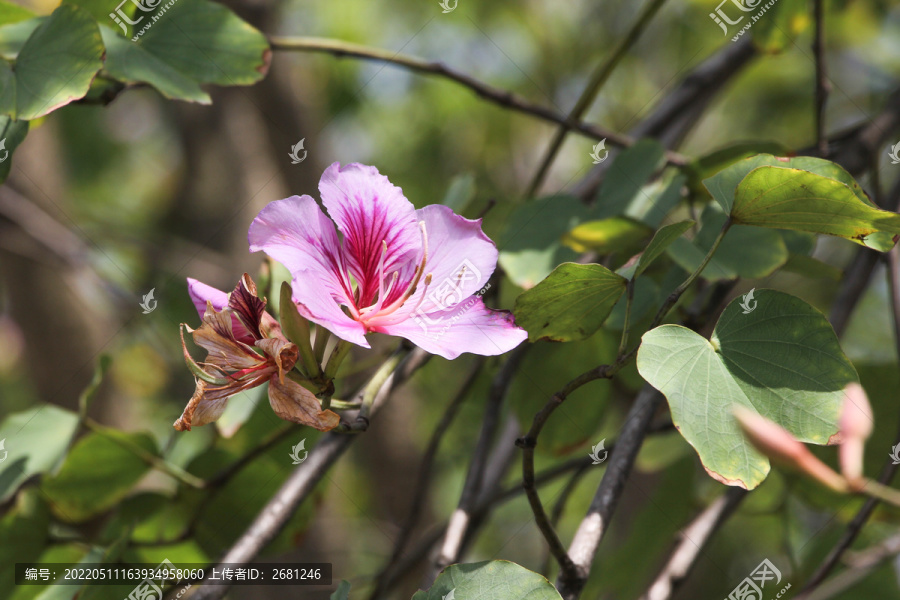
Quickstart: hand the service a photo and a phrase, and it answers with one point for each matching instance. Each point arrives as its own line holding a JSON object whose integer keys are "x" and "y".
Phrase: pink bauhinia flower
{"x": 394, "y": 269}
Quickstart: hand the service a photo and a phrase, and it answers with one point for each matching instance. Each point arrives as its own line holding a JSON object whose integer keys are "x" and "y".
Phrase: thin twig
{"x": 598, "y": 79}
{"x": 298, "y": 486}
{"x": 498, "y": 96}
{"x": 822, "y": 84}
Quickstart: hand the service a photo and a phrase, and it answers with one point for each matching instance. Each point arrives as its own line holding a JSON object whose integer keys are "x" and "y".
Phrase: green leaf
{"x": 710, "y": 164}
{"x": 131, "y": 63}
{"x": 35, "y": 439}
{"x": 723, "y": 185}
{"x": 342, "y": 592}
{"x": 13, "y": 13}
{"x": 495, "y": 579}
{"x": 615, "y": 234}
{"x": 662, "y": 239}
{"x": 812, "y": 268}
{"x": 793, "y": 199}
{"x": 531, "y": 246}
{"x": 748, "y": 252}
{"x": 570, "y": 304}
{"x": 98, "y": 472}
{"x": 782, "y": 360}
{"x": 657, "y": 198}
{"x": 627, "y": 174}
{"x": 780, "y": 25}
{"x": 12, "y": 133}
{"x": 54, "y": 67}
{"x": 26, "y": 523}
{"x": 206, "y": 42}
{"x": 14, "y": 35}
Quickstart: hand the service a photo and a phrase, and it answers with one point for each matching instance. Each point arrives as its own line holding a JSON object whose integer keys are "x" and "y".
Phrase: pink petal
{"x": 296, "y": 233}
{"x": 461, "y": 259}
{"x": 200, "y": 293}
{"x": 470, "y": 327}
{"x": 370, "y": 211}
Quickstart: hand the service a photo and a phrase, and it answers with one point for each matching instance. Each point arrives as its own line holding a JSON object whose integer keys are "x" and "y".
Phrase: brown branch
{"x": 498, "y": 96}
{"x": 823, "y": 86}
{"x": 420, "y": 493}
{"x": 694, "y": 538}
{"x": 462, "y": 516}
{"x": 594, "y": 525}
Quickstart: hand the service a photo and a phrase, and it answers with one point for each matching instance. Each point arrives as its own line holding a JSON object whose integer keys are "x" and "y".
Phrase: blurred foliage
{"x": 160, "y": 190}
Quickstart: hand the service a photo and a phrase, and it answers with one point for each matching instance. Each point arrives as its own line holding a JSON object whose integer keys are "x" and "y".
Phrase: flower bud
{"x": 781, "y": 447}
{"x": 855, "y": 427}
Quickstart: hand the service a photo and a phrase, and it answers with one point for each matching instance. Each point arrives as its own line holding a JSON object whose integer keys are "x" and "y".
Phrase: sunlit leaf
{"x": 570, "y": 304}
{"x": 793, "y": 199}
{"x": 781, "y": 359}
{"x": 54, "y": 67}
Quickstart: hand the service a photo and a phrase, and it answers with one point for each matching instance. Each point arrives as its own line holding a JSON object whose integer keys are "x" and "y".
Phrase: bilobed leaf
{"x": 130, "y": 62}
{"x": 54, "y": 67}
{"x": 35, "y": 439}
{"x": 785, "y": 198}
{"x": 98, "y": 472}
{"x": 781, "y": 359}
{"x": 570, "y": 304}
{"x": 495, "y": 579}
{"x": 662, "y": 239}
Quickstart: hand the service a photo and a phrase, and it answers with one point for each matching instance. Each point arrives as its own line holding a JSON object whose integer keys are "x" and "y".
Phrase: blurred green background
{"x": 104, "y": 203}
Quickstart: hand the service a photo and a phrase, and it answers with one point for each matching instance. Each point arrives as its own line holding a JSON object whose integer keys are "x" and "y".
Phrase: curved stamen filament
{"x": 411, "y": 288}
